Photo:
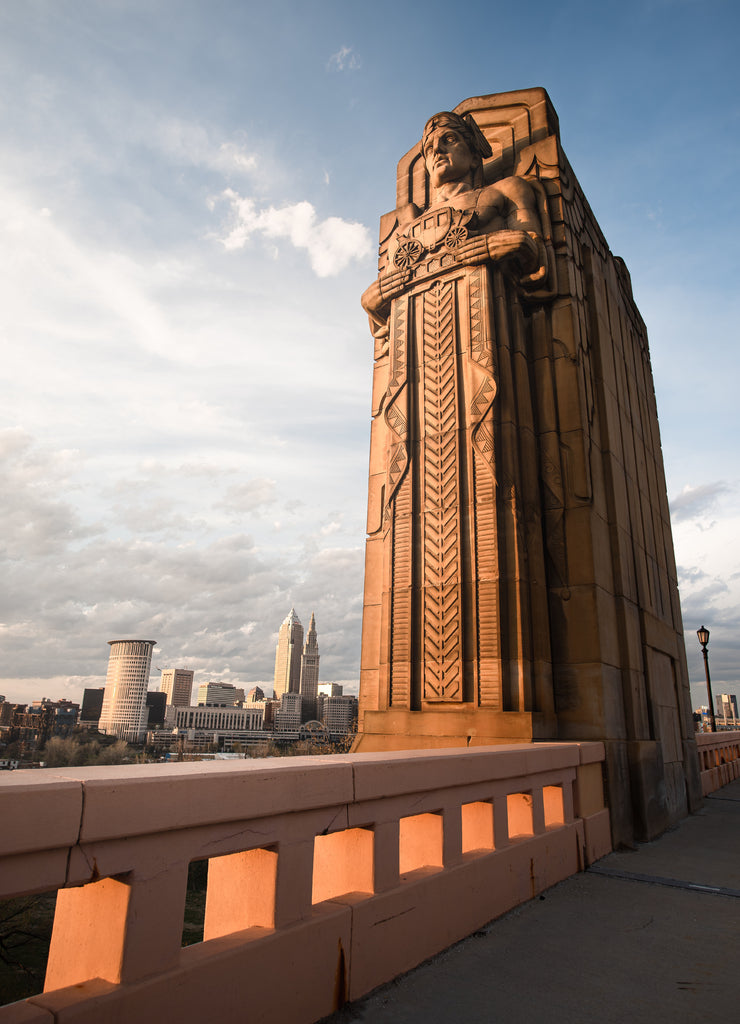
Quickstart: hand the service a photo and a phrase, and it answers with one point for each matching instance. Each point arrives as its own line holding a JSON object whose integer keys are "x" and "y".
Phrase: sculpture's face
{"x": 447, "y": 157}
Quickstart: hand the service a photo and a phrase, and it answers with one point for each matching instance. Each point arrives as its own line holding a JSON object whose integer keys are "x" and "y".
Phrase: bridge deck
{"x": 649, "y": 935}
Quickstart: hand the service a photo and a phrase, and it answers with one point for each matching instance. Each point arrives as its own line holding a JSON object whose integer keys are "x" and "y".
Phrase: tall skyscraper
{"x": 288, "y": 656}
{"x": 310, "y": 672}
{"x": 124, "y": 711}
{"x": 177, "y": 683}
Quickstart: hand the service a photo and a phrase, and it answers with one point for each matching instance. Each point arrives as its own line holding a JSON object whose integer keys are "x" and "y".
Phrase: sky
{"x": 189, "y": 205}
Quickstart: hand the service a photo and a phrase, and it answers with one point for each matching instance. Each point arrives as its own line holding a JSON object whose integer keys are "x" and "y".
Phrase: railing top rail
{"x": 100, "y": 803}
{"x": 713, "y": 739}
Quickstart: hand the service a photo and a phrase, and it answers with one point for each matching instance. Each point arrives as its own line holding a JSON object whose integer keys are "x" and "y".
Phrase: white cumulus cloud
{"x": 694, "y": 502}
{"x": 331, "y": 243}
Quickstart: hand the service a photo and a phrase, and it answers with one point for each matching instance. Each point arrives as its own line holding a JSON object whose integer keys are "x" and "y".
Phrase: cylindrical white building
{"x": 124, "y": 711}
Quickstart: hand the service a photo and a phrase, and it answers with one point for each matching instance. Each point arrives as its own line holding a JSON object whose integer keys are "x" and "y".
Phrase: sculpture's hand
{"x": 372, "y": 300}
{"x": 383, "y": 289}
{"x": 518, "y": 246}
{"x": 393, "y": 284}
{"x": 376, "y": 301}
{"x": 474, "y": 250}
{"x": 500, "y": 246}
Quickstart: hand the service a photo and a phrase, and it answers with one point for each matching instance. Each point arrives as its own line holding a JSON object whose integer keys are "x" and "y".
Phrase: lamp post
{"x": 703, "y": 635}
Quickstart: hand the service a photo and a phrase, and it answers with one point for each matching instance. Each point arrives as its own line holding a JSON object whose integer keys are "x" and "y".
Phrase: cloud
{"x": 249, "y": 496}
{"x": 693, "y": 502}
{"x": 54, "y": 284}
{"x": 689, "y": 575}
{"x": 331, "y": 244}
{"x": 345, "y": 59}
{"x": 34, "y": 522}
{"x": 146, "y": 553}
{"x": 188, "y": 142}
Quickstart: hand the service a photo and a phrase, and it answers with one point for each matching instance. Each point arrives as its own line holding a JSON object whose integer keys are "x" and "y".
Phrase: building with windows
{"x": 331, "y": 689}
{"x": 339, "y": 715}
{"x": 92, "y": 706}
{"x": 288, "y": 718}
{"x": 125, "y": 712}
{"x": 727, "y": 708}
{"x": 219, "y": 719}
{"x": 288, "y": 656}
{"x": 219, "y": 695}
{"x": 156, "y": 703}
{"x": 309, "y": 687}
{"x": 177, "y": 683}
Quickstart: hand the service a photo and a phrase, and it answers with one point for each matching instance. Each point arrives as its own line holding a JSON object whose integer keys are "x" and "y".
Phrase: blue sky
{"x": 189, "y": 200}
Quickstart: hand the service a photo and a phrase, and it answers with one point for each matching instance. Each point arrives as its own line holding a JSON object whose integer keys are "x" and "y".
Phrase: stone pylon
{"x": 520, "y": 581}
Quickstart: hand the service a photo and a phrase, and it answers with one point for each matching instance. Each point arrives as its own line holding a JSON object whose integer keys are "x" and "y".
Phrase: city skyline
{"x": 190, "y": 199}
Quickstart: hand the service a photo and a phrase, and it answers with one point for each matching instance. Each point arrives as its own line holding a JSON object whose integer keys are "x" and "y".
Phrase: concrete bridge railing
{"x": 326, "y": 875}
{"x": 719, "y": 759}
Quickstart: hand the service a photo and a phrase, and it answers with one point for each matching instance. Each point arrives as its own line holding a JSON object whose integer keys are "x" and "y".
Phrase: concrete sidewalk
{"x": 647, "y": 935}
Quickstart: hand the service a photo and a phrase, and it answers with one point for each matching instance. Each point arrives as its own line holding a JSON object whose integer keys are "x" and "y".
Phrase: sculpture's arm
{"x": 511, "y": 232}
{"x": 519, "y": 248}
{"x": 376, "y": 300}
{"x": 520, "y": 205}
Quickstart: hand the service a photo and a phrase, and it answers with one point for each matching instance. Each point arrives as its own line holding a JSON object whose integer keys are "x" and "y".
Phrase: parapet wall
{"x": 719, "y": 759}
{"x": 332, "y": 874}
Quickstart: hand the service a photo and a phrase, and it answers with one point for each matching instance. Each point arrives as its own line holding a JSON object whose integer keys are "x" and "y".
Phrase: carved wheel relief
{"x": 409, "y": 252}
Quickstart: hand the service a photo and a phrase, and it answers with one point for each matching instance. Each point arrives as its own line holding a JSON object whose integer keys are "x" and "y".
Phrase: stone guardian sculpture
{"x": 453, "y": 485}
{"x": 520, "y": 582}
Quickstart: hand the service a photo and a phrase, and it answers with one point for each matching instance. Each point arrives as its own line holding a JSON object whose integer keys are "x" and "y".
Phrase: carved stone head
{"x": 454, "y": 148}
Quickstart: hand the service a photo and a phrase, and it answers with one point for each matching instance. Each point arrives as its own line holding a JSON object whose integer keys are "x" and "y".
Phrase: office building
{"x": 339, "y": 715}
{"x": 288, "y": 717}
{"x": 331, "y": 689}
{"x": 219, "y": 695}
{"x": 219, "y": 719}
{"x": 177, "y": 683}
{"x": 727, "y": 707}
{"x": 156, "y": 703}
{"x": 309, "y": 686}
{"x": 92, "y": 706}
{"x": 288, "y": 656}
{"x": 125, "y": 712}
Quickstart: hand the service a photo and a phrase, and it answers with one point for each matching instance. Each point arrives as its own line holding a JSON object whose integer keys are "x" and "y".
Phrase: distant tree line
{"x": 84, "y": 749}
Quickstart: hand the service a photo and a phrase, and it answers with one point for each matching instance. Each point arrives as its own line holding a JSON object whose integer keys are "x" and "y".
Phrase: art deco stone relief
{"x": 445, "y": 314}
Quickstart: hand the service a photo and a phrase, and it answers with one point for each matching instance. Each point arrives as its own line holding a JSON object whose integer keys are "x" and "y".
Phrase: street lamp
{"x": 703, "y": 635}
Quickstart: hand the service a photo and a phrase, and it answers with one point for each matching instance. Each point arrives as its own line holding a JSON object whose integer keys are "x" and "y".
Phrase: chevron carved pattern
{"x": 442, "y": 653}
